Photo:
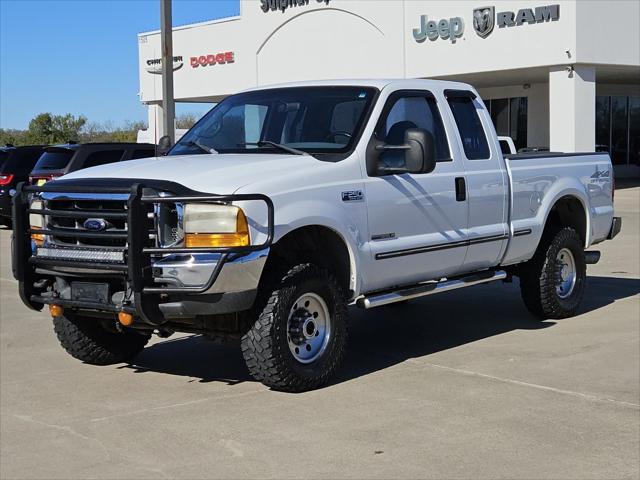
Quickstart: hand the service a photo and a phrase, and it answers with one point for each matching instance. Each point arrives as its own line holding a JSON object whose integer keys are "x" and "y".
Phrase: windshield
{"x": 308, "y": 119}
{"x": 54, "y": 159}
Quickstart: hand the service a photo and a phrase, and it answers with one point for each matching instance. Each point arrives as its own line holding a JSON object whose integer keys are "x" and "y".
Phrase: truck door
{"x": 417, "y": 225}
{"x": 485, "y": 181}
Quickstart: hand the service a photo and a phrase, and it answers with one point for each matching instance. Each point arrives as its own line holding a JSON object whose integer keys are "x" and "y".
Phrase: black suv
{"x": 15, "y": 165}
{"x": 59, "y": 160}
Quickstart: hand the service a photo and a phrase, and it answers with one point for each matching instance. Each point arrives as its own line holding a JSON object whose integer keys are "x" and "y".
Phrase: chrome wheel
{"x": 567, "y": 273}
{"x": 308, "y": 328}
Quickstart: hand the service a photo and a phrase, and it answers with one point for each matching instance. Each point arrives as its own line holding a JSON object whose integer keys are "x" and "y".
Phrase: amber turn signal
{"x": 38, "y": 238}
{"x": 125, "y": 318}
{"x": 56, "y": 310}
{"x": 216, "y": 240}
{"x": 239, "y": 238}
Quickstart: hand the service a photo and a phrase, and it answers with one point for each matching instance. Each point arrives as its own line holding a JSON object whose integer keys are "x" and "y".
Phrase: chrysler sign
{"x": 154, "y": 65}
{"x": 484, "y": 19}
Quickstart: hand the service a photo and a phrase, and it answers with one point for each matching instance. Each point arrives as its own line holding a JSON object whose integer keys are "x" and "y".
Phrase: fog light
{"x": 38, "y": 238}
{"x": 56, "y": 310}
{"x": 125, "y": 318}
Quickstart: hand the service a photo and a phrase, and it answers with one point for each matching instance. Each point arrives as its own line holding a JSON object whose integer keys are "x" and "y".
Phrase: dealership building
{"x": 563, "y": 76}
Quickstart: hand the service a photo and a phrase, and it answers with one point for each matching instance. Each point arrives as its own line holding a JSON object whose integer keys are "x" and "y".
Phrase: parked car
{"x": 60, "y": 160}
{"x": 15, "y": 165}
{"x": 283, "y": 205}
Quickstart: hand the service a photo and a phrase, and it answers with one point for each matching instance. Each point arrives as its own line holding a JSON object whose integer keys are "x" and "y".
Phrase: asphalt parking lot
{"x": 462, "y": 385}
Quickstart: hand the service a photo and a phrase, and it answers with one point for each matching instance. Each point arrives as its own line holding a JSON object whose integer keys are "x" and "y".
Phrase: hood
{"x": 217, "y": 173}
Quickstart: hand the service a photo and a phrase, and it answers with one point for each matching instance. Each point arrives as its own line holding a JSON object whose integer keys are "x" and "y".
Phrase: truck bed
{"x": 539, "y": 180}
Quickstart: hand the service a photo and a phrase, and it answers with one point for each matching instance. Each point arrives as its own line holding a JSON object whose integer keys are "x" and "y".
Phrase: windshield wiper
{"x": 264, "y": 143}
{"x": 201, "y": 146}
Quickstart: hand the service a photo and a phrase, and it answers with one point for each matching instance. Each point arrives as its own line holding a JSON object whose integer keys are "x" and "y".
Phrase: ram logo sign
{"x": 484, "y": 20}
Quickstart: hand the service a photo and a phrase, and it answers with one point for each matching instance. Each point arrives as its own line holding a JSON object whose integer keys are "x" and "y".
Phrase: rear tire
{"x": 299, "y": 339}
{"x": 552, "y": 282}
{"x": 87, "y": 340}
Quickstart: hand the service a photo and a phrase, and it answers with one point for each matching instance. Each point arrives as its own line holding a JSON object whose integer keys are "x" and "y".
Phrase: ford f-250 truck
{"x": 284, "y": 205}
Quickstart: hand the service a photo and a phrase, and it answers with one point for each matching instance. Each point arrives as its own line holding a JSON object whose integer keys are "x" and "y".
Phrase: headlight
{"x": 211, "y": 225}
{"x": 36, "y": 221}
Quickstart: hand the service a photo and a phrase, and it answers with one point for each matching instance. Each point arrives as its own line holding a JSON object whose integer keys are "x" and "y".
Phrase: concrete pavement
{"x": 462, "y": 385}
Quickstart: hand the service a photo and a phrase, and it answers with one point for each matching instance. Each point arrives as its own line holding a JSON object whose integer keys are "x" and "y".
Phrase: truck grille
{"x": 68, "y": 223}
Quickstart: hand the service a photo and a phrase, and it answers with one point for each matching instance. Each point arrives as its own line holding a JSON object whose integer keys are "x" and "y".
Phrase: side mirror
{"x": 416, "y": 155}
{"x": 164, "y": 145}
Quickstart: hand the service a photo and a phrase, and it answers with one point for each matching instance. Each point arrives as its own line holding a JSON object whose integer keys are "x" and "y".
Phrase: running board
{"x": 428, "y": 288}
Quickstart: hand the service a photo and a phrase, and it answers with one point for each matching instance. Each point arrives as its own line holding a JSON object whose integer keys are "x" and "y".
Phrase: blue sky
{"x": 80, "y": 56}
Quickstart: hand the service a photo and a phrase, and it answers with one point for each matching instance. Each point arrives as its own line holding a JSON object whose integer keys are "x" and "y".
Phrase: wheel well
{"x": 315, "y": 244}
{"x": 569, "y": 212}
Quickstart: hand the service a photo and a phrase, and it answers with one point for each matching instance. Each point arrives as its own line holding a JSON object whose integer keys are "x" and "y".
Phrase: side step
{"x": 428, "y": 288}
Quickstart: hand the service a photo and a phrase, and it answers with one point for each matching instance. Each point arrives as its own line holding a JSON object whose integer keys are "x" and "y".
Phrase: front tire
{"x": 552, "y": 282}
{"x": 87, "y": 340}
{"x": 299, "y": 339}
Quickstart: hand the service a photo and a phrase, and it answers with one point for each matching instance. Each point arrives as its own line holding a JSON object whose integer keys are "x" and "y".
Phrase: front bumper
{"x": 153, "y": 283}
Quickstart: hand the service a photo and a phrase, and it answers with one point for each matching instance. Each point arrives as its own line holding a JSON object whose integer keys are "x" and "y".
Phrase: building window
{"x": 509, "y": 116}
{"x": 618, "y": 128}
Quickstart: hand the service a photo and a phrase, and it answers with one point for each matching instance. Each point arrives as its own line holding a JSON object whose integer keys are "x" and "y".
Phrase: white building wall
{"x": 572, "y": 109}
{"x": 504, "y": 49}
{"x": 607, "y": 32}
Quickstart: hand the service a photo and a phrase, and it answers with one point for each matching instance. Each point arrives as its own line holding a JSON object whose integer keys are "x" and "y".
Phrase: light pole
{"x": 168, "y": 102}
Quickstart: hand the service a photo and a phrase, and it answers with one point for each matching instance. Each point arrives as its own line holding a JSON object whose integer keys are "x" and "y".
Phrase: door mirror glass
{"x": 415, "y": 155}
{"x": 164, "y": 145}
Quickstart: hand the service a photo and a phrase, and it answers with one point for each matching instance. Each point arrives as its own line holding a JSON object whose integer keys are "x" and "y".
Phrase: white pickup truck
{"x": 284, "y": 205}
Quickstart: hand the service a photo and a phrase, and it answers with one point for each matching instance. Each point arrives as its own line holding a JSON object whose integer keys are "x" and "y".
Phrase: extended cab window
{"x": 474, "y": 140}
{"x": 102, "y": 158}
{"x": 414, "y": 112}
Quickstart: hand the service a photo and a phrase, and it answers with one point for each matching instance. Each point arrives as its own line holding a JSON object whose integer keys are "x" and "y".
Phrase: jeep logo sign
{"x": 483, "y": 19}
{"x": 451, "y": 29}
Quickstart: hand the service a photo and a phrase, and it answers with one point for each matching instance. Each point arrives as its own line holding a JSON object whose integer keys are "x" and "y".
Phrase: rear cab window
{"x": 465, "y": 114}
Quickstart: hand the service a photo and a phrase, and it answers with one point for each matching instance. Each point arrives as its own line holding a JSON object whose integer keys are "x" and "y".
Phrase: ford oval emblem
{"x": 95, "y": 224}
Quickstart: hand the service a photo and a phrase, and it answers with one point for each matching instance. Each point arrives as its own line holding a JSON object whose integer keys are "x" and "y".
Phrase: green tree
{"x": 186, "y": 120}
{"x": 41, "y": 129}
{"x": 67, "y": 127}
{"x": 47, "y": 128}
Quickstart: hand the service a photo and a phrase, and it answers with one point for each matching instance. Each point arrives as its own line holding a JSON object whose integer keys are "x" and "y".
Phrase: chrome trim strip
{"x": 440, "y": 246}
{"x": 522, "y": 232}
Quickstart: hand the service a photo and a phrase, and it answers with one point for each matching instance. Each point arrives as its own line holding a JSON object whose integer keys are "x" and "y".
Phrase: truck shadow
{"x": 384, "y": 337}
